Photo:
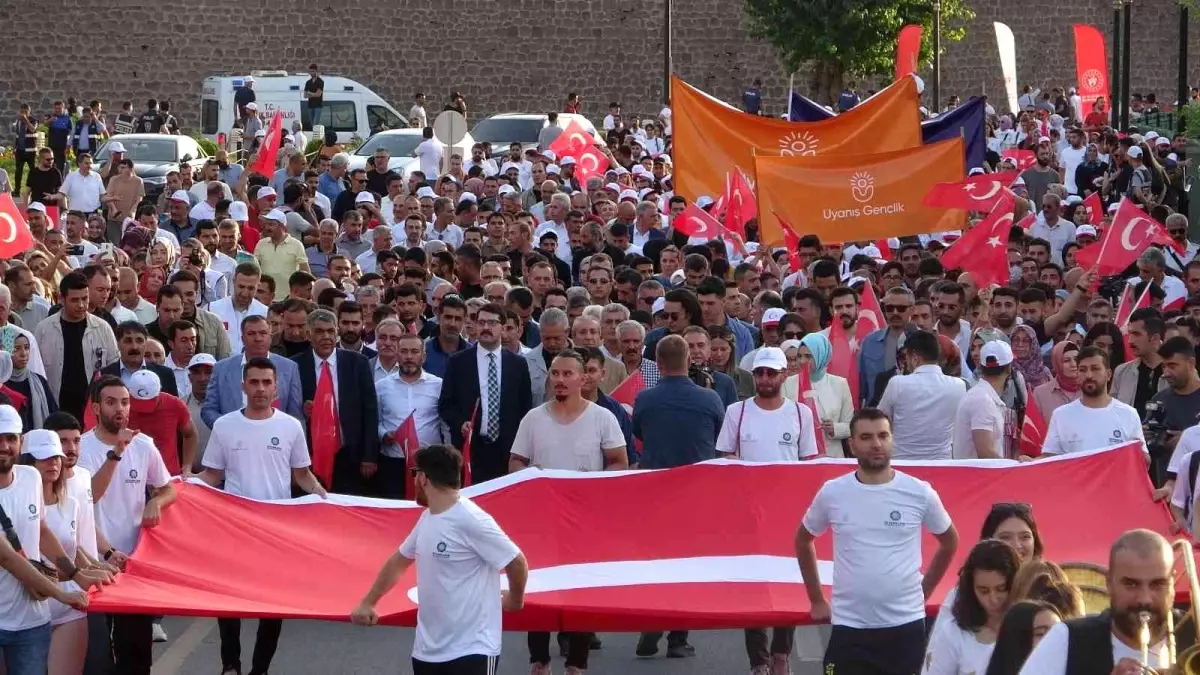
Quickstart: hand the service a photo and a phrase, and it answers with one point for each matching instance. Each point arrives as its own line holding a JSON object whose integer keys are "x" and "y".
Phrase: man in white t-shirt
{"x": 458, "y": 548}
{"x": 1141, "y": 579}
{"x": 876, "y": 514}
{"x": 979, "y": 422}
{"x": 920, "y": 401}
{"x": 131, "y": 487}
{"x": 24, "y": 612}
{"x": 429, "y": 152}
{"x": 571, "y": 433}
{"x": 1095, "y": 420}
{"x": 257, "y": 452}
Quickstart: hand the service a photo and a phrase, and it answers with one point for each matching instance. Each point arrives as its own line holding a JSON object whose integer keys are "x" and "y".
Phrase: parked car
{"x": 400, "y": 144}
{"x": 154, "y": 155}
{"x": 504, "y": 129}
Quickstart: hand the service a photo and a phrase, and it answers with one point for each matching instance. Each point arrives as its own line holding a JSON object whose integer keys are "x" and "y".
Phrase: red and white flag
{"x": 405, "y": 436}
{"x": 15, "y": 237}
{"x": 1127, "y": 305}
{"x": 1131, "y": 232}
{"x": 1033, "y": 428}
{"x": 843, "y": 359}
{"x": 268, "y": 152}
{"x": 740, "y": 204}
{"x": 593, "y": 566}
{"x": 977, "y": 193}
{"x": 696, "y": 222}
{"x": 573, "y": 141}
{"x": 590, "y": 162}
{"x": 1023, "y": 158}
{"x": 870, "y": 315}
{"x": 1095, "y": 208}
{"x": 626, "y": 392}
{"x": 983, "y": 250}
{"x": 809, "y": 398}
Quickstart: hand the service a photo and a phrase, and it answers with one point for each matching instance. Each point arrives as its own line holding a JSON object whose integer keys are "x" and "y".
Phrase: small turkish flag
{"x": 695, "y": 222}
{"x": 590, "y": 162}
{"x": 52, "y": 217}
{"x": 740, "y": 198}
{"x": 1132, "y": 231}
{"x": 405, "y": 436}
{"x": 15, "y": 237}
{"x": 977, "y": 193}
{"x": 1033, "y": 429}
{"x": 572, "y": 142}
{"x": 870, "y": 315}
{"x": 1095, "y": 208}
{"x": 983, "y": 250}
{"x": 1028, "y": 221}
{"x": 626, "y": 392}
{"x": 791, "y": 240}
{"x": 1023, "y": 158}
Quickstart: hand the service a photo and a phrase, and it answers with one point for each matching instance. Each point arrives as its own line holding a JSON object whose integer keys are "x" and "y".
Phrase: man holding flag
{"x": 408, "y": 412}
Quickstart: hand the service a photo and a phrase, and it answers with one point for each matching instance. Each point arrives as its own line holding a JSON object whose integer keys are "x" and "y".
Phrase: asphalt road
{"x": 322, "y": 648}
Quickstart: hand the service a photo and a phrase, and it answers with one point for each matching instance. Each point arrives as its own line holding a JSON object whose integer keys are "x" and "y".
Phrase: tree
{"x": 848, "y": 37}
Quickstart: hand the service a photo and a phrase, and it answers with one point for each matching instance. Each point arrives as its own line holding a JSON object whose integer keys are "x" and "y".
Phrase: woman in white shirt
{"x": 69, "y": 637}
{"x": 962, "y": 643}
{"x": 1024, "y": 625}
{"x": 835, "y": 407}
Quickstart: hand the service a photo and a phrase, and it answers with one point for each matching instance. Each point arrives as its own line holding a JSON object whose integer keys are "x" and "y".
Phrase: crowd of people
{"x": 308, "y": 331}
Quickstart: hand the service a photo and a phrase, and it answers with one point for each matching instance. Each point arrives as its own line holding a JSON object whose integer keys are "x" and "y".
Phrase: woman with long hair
{"x": 835, "y": 406}
{"x": 1043, "y": 580}
{"x": 1108, "y": 337}
{"x": 721, "y": 347}
{"x": 69, "y": 635}
{"x": 1064, "y": 388}
{"x": 1024, "y": 625}
{"x": 962, "y": 643}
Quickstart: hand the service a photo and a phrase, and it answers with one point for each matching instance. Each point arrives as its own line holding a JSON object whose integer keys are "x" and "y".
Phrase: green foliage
{"x": 856, "y": 37}
{"x": 313, "y": 147}
{"x": 209, "y": 147}
{"x": 1191, "y": 120}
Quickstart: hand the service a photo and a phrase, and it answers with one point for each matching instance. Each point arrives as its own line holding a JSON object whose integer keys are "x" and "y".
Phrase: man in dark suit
{"x": 354, "y": 397}
{"x": 131, "y": 340}
{"x": 486, "y": 389}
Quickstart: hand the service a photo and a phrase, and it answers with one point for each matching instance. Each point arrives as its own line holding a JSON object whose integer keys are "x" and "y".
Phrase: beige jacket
{"x": 99, "y": 348}
{"x": 1125, "y": 381}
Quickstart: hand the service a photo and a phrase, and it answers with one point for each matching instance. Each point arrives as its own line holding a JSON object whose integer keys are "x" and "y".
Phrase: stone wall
{"x": 503, "y": 55}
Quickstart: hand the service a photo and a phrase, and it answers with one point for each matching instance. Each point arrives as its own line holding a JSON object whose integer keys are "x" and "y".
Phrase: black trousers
{"x": 132, "y": 639}
{"x": 475, "y": 664}
{"x": 578, "y": 645}
{"x": 675, "y": 637}
{"x": 60, "y": 160}
{"x": 99, "y": 660}
{"x": 760, "y": 649}
{"x": 898, "y": 650}
{"x": 347, "y": 474}
{"x": 265, "y": 644}
{"x": 389, "y": 480}
{"x": 23, "y": 157}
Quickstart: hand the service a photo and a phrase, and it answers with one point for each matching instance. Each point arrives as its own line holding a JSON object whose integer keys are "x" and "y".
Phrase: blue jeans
{"x": 314, "y": 117}
{"x": 26, "y": 652}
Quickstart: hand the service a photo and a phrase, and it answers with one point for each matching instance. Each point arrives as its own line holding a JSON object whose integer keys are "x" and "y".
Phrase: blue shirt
{"x": 435, "y": 358}
{"x": 752, "y": 101}
{"x": 677, "y": 422}
{"x": 329, "y": 186}
{"x": 318, "y": 262}
{"x": 230, "y": 175}
{"x": 608, "y": 403}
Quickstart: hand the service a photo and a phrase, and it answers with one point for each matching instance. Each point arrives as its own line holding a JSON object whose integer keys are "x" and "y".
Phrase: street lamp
{"x": 1114, "y": 78}
{"x": 1128, "y": 15}
{"x": 1182, "y": 95}
{"x": 937, "y": 56}
{"x": 666, "y": 52}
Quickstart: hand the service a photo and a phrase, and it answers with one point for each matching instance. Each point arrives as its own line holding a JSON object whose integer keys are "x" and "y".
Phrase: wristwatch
{"x": 113, "y": 456}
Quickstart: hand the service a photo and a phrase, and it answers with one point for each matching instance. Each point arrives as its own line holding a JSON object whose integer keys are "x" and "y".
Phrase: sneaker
{"x": 595, "y": 643}
{"x": 231, "y": 671}
{"x": 680, "y": 651}
{"x": 564, "y": 644}
{"x": 761, "y": 670}
{"x": 572, "y": 670}
{"x": 780, "y": 665}
{"x": 157, "y": 632}
{"x": 647, "y": 647}
{"x": 540, "y": 669}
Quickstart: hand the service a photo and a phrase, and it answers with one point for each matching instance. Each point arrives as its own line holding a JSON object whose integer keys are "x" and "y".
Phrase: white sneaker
{"x": 761, "y": 670}
{"x": 540, "y": 669}
{"x": 157, "y": 632}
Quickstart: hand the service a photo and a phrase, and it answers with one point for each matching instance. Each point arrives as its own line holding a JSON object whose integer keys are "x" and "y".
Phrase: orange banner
{"x": 711, "y": 138}
{"x": 858, "y": 197}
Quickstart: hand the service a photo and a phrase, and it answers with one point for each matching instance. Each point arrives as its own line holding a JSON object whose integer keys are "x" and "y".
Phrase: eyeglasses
{"x": 793, "y": 334}
{"x": 896, "y": 309}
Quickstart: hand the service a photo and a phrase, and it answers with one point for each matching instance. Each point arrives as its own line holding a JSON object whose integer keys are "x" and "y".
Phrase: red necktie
{"x": 324, "y": 427}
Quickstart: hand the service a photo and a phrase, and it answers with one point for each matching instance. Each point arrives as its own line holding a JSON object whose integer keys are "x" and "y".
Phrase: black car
{"x": 154, "y": 155}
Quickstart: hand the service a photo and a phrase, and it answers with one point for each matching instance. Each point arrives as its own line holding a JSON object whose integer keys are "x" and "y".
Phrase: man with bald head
{"x": 1140, "y": 579}
{"x": 128, "y": 297}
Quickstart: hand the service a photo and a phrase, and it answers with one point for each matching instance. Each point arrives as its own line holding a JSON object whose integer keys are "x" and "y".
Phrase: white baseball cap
{"x": 144, "y": 385}
{"x": 660, "y": 305}
{"x": 251, "y": 105}
{"x": 115, "y": 146}
{"x": 1135, "y": 151}
{"x": 42, "y": 444}
{"x": 703, "y": 201}
{"x": 239, "y": 212}
{"x": 260, "y": 133}
{"x": 1085, "y": 231}
{"x": 181, "y": 196}
{"x": 628, "y": 194}
{"x": 266, "y": 192}
{"x": 426, "y": 191}
{"x": 550, "y": 155}
{"x": 1150, "y": 135}
{"x": 364, "y": 197}
{"x": 772, "y": 316}
{"x": 202, "y": 359}
{"x": 276, "y": 215}
{"x": 771, "y": 358}
{"x": 10, "y": 420}
{"x": 506, "y": 190}
{"x": 567, "y": 161}
{"x": 995, "y": 354}
{"x": 36, "y": 206}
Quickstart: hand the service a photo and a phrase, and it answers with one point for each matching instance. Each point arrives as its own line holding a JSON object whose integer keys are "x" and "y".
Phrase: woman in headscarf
{"x": 831, "y": 393}
{"x": 8, "y": 395}
{"x": 152, "y": 279}
{"x": 1027, "y": 357}
{"x": 1091, "y": 170}
{"x": 30, "y": 385}
{"x": 1064, "y": 388}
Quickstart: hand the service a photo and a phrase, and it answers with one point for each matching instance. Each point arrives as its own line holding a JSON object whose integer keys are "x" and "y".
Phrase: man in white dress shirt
{"x": 235, "y": 307}
{"x": 409, "y": 392}
{"x": 920, "y": 402}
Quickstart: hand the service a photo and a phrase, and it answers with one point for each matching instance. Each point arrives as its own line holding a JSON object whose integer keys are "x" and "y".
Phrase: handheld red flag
{"x": 268, "y": 152}
{"x": 870, "y": 315}
{"x": 590, "y": 162}
{"x": 977, "y": 193}
{"x": 405, "y": 436}
{"x": 695, "y": 222}
{"x": 885, "y": 251}
{"x": 15, "y": 237}
{"x": 1132, "y": 231}
{"x": 324, "y": 427}
{"x": 843, "y": 358}
{"x": 466, "y": 449}
{"x": 52, "y": 217}
{"x": 740, "y": 203}
{"x": 1095, "y": 208}
{"x": 1023, "y": 158}
{"x": 1028, "y": 221}
{"x": 626, "y": 392}
{"x": 809, "y": 398}
{"x": 792, "y": 242}
{"x": 573, "y": 141}
{"x": 1033, "y": 428}
{"x": 983, "y": 250}
{"x": 908, "y": 47}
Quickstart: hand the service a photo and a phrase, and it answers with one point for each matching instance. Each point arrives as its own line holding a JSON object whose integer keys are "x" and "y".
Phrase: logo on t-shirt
{"x": 33, "y": 509}
{"x": 133, "y": 477}
{"x": 274, "y": 440}
{"x": 894, "y": 519}
{"x": 441, "y": 550}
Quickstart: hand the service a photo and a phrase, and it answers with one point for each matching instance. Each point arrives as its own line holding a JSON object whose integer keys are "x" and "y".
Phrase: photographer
{"x": 1170, "y": 412}
{"x": 700, "y": 373}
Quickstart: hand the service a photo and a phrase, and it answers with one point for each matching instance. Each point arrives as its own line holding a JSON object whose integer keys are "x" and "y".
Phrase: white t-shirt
{"x": 575, "y": 446}
{"x": 981, "y": 410}
{"x": 83, "y": 192}
{"x": 79, "y": 488}
{"x": 876, "y": 546}
{"x": 231, "y": 318}
{"x": 1189, "y": 442}
{"x": 119, "y": 511}
{"x": 458, "y": 553}
{"x": 429, "y": 152}
{"x": 257, "y": 456}
{"x": 1075, "y": 427}
{"x": 1049, "y": 657}
{"x": 22, "y": 502}
{"x": 1071, "y": 158}
{"x": 919, "y": 404}
{"x": 954, "y": 651}
{"x": 786, "y": 434}
{"x": 63, "y": 521}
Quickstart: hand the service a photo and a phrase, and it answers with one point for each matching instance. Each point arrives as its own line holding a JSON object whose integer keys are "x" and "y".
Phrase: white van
{"x": 350, "y": 108}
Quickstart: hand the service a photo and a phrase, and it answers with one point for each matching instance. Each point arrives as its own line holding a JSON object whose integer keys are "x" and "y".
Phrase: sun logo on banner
{"x": 862, "y": 187}
{"x": 798, "y": 144}
{"x": 1093, "y": 79}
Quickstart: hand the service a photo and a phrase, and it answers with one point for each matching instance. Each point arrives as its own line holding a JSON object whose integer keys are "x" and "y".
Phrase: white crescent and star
{"x": 970, "y": 188}
{"x": 583, "y": 162}
{"x": 1125, "y": 243}
{"x": 11, "y": 233}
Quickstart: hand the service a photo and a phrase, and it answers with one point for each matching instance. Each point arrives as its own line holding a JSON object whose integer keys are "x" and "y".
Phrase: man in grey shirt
{"x": 1040, "y": 176}
{"x": 550, "y": 132}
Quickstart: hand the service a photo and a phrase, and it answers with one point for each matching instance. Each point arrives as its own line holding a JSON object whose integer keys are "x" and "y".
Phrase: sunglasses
{"x": 896, "y": 309}
{"x": 793, "y": 334}
{"x": 1012, "y": 507}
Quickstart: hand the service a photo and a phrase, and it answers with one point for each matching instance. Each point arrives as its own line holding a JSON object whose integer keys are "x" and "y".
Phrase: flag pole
{"x": 791, "y": 91}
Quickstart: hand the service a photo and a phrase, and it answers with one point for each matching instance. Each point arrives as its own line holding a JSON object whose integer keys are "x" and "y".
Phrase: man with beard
{"x": 458, "y": 548}
{"x": 768, "y": 428}
{"x": 350, "y": 325}
{"x": 843, "y": 303}
{"x": 387, "y": 341}
{"x": 409, "y": 392}
{"x": 452, "y": 316}
{"x": 234, "y": 308}
{"x": 348, "y": 376}
{"x": 131, "y": 341}
{"x": 879, "y": 617}
{"x": 224, "y": 392}
{"x": 1140, "y": 579}
{"x": 257, "y": 452}
{"x": 950, "y": 301}
{"x": 1095, "y": 419}
{"x": 571, "y": 433}
{"x": 131, "y": 488}
{"x": 1006, "y": 303}
{"x": 585, "y": 333}
{"x": 293, "y": 339}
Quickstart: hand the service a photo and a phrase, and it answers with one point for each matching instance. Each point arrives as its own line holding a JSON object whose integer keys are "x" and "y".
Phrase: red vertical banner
{"x": 1091, "y": 66}
{"x": 908, "y": 47}
{"x": 268, "y": 152}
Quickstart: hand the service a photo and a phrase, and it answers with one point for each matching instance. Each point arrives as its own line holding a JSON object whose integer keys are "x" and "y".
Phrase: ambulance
{"x": 350, "y": 108}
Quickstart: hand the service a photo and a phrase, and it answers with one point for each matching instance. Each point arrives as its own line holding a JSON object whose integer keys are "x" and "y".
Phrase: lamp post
{"x": 1127, "y": 12}
{"x": 1114, "y": 79}
{"x": 1182, "y": 95}
{"x": 667, "y": 52}
{"x": 937, "y": 56}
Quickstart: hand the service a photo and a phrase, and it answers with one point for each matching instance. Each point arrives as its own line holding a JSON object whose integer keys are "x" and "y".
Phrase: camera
{"x": 1154, "y": 425}
{"x": 701, "y": 376}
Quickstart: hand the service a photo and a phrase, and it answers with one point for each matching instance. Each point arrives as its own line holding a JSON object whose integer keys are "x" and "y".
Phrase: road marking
{"x": 172, "y": 660}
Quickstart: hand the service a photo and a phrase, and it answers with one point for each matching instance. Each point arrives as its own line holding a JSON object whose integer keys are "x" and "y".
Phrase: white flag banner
{"x": 1008, "y": 63}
